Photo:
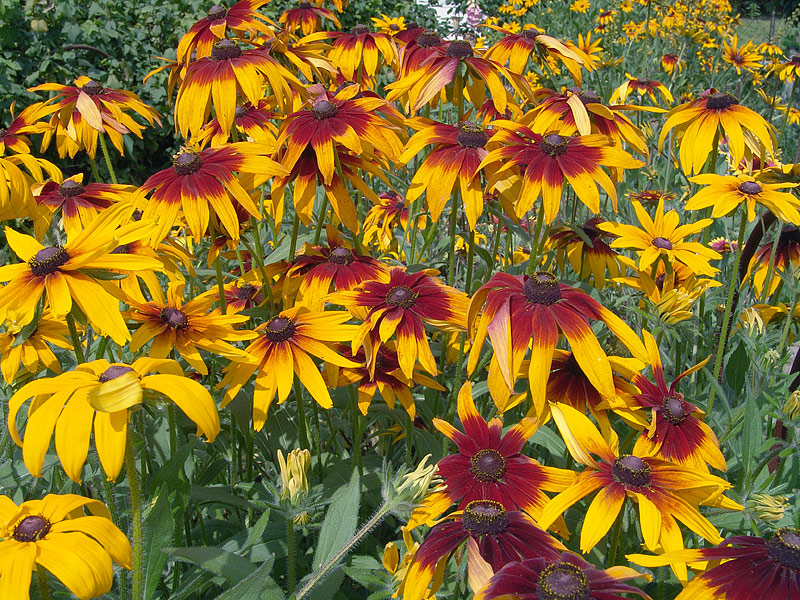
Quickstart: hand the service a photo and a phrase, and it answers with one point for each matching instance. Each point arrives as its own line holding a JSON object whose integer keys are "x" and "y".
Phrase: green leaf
{"x": 231, "y": 566}
{"x": 340, "y": 521}
{"x": 218, "y": 495}
{"x": 751, "y": 434}
{"x": 258, "y": 586}
{"x": 737, "y": 368}
{"x": 28, "y": 330}
{"x": 256, "y": 531}
{"x": 103, "y": 274}
{"x": 157, "y": 535}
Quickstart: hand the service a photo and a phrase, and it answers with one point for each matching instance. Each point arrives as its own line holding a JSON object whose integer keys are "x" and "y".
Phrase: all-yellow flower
{"x": 726, "y": 192}
{"x": 99, "y": 394}
{"x": 78, "y": 550}
{"x": 663, "y": 236}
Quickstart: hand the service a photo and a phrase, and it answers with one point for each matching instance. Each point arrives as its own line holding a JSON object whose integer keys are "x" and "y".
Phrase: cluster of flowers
{"x": 276, "y": 110}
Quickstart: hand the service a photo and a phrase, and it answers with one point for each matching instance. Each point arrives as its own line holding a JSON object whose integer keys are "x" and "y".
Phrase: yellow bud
{"x": 792, "y": 406}
{"x": 768, "y": 508}
{"x": 293, "y": 473}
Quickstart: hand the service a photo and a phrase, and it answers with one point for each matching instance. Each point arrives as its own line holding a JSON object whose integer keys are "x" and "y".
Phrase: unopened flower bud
{"x": 792, "y": 406}
{"x": 767, "y": 507}
{"x": 293, "y": 474}
{"x": 412, "y": 487}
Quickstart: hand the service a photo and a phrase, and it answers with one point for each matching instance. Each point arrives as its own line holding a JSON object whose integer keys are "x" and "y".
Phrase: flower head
{"x": 55, "y": 533}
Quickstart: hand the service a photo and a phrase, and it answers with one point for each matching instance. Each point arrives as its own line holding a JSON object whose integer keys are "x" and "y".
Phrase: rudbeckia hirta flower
{"x": 388, "y": 379}
{"x": 739, "y": 567}
{"x": 788, "y": 70}
{"x": 501, "y": 536}
{"x": 401, "y": 303}
{"x": 675, "y": 433}
{"x": 252, "y": 121}
{"x": 641, "y": 87}
{"x": 664, "y": 237}
{"x": 545, "y": 161}
{"x": 80, "y": 203}
{"x": 787, "y": 258}
{"x": 589, "y": 260}
{"x": 307, "y": 18}
{"x": 663, "y": 490}
{"x": 570, "y": 577}
{"x": 520, "y": 310}
{"x": 57, "y": 272}
{"x": 204, "y": 182}
{"x": 359, "y": 50}
{"x": 31, "y": 347}
{"x": 489, "y": 465}
{"x": 82, "y": 111}
{"x": 55, "y": 533}
{"x": 97, "y": 395}
{"x": 517, "y": 48}
{"x": 186, "y": 327}
{"x": 744, "y": 57}
{"x": 698, "y": 122}
{"x": 241, "y": 18}
{"x": 726, "y": 192}
{"x": 317, "y": 267}
{"x": 224, "y": 75}
{"x": 451, "y": 164}
{"x": 283, "y": 349}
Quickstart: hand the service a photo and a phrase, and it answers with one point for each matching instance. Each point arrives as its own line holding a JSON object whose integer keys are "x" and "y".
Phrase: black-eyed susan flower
{"x": 283, "y": 350}
{"x": 241, "y": 18}
{"x": 648, "y": 197}
{"x": 386, "y": 215}
{"x": 307, "y": 18}
{"x": 501, "y": 536}
{"x": 15, "y": 137}
{"x": 359, "y": 50}
{"x": 401, "y": 303}
{"x": 567, "y": 577}
{"x": 663, "y": 490}
{"x": 80, "y": 112}
{"x": 451, "y": 164}
{"x": 418, "y": 48}
{"x": 726, "y": 192}
{"x": 56, "y": 534}
{"x": 582, "y": 111}
{"x": 224, "y": 75}
{"x": 517, "y": 48}
{"x": 697, "y": 123}
{"x": 546, "y": 161}
{"x": 319, "y": 267}
{"x": 589, "y": 254}
{"x": 57, "y": 272}
{"x": 676, "y": 433}
{"x": 16, "y": 199}
{"x": 79, "y": 203}
{"x": 29, "y": 347}
{"x": 740, "y": 566}
{"x": 642, "y": 87}
{"x": 489, "y": 466}
{"x": 524, "y": 310}
{"x": 253, "y": 121}
{"x": 186, "y": 327}
{"x": 204, "y": 182}
{"x": 97, "y": 395}
{"x": 440, "y": 68}
{"x": 391, "y": 25}
{"x": 664, "y": 237}
{"x": 388, "y": 380}
{"x": 788, "y": 70}
{"x": 346, "y": 118}
{"x": 744, "y": 57}
{"x": 787, "y": 258}
{"x": 669, "y": 62}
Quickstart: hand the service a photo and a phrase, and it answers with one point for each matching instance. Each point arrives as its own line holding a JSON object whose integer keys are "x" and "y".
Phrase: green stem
{"x": 323, "y": 211}
{"x": 357, "y": 433}
{"x": 470, "y": 260}
{"x": 291, "y": 555}
{"x": 788, "y": 110}
{"x": 788, "y": 325}
{"x": 451, "y": 272}
{"x": 616, "y": 535}
{"x": 726, "y": 319}
{"x": 533, "y": 262}
{"x": 173, "y": 434}
{"x": 41, "y": 580}
{"x": 134, "y": 487}
{"x": 102, "y": 139}
{"x": 773, "y": 252}
{"x": 76, "y": 340}
{"x": 293, "y": 242}
{"x": 220, "y": 283}
{"x": 301, "y": 414}
{"x": 95, "y": 172}
{"x": 325, "y": 569}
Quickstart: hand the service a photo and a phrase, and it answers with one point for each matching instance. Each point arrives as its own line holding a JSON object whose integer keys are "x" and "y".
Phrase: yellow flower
{"x": 56, "y": 534}
{"x": 580, "y": 6}
{"x": 99, "y": 394}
